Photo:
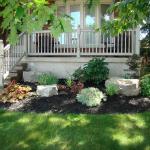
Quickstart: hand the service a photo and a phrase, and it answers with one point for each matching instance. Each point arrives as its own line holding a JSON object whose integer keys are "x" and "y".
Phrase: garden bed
{"x": 66, "y": 103}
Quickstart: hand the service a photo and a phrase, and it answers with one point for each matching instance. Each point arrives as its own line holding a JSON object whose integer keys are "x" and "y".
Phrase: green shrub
{"x": 95, "y": 70}
{"x": 112, "y": 89}
{"x": 90, "y": 96}
{"x": 145, "y": 85}
{"x": 47, "y": 79}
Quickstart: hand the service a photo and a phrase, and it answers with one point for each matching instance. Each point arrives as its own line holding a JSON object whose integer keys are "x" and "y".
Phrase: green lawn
{"x": 30, "y": 131}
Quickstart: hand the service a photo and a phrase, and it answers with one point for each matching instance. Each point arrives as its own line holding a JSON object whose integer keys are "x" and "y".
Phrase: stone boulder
{"x": 47, "y": 90}
{"x": 127, "y": 87}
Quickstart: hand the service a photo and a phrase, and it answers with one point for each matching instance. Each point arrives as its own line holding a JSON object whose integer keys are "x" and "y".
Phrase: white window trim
{"x": 82, "y": 10}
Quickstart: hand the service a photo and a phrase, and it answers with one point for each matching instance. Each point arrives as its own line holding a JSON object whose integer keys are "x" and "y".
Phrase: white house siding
{"x": 65, "y": 66}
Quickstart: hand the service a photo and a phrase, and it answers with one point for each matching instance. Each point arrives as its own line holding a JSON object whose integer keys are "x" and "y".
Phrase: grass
{"x": 31, "y": 131}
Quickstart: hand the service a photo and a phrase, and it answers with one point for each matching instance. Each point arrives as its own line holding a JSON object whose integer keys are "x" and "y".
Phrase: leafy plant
{"x": 77, "y": 87}
{"x": 47, "y": 79}
{"x": 69, "y": 82}
{"x": 90, "y": 96}
{"x": 112, "y": 89}
{"x": 16, "y": 17}
{"x": 145, "y": 85}
{"x": 15, "y": 92}
{"x": 95, "y": 70}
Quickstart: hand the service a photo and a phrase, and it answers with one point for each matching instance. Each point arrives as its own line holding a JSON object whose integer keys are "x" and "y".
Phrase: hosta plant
{"x": 90, "y": 96}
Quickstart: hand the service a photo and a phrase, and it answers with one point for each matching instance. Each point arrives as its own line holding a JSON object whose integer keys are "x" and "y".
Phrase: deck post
{"x": 25, "y": 44}
{"x": 1, "y": 63}
{"x": 78, "y": 41}
{"x": 137, "y": 46}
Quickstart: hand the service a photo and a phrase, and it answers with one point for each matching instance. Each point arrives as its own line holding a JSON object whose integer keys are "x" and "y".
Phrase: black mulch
{"x": 66, "y": 103}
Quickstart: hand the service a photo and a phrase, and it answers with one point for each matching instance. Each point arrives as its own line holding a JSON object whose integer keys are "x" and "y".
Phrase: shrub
{"x": 145, "y": 85}
{"x": 95, "y": 70}
{"x": 112, "y": 89}
{"x": 90, "y": 96}
{"x": 47, "y": 79}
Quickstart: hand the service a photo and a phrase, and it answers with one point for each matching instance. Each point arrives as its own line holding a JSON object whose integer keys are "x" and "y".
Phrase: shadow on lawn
{"x": 72, "y": 132}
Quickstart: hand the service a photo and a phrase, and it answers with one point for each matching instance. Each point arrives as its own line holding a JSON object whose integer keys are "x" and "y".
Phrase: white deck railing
{"x": 81, "y": 43}
{"x": 13, "y": 54}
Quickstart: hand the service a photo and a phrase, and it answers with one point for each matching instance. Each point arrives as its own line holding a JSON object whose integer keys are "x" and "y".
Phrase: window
{"x": 104, "y": 14}
{"x": 89, "y": 17}
{"x": 75, "y": 14}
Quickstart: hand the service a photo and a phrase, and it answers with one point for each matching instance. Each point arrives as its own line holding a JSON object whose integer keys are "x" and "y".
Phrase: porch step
{"x": 18, "y": 67}
{"x": 13, "y": 74}
{"x": 16, "y": 74}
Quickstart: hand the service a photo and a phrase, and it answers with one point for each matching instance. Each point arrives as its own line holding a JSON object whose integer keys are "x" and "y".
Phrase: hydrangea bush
{"x": 90, "y": 97}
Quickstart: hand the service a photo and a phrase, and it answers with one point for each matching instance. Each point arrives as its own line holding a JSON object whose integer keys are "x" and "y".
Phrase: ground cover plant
{"x": 15, "y": 92}
{"x": 22, "y": 131}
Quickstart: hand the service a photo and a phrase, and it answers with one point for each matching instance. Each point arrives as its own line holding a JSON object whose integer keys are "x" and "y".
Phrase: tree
{"x": 128, "y": 14}
{"x": 28, "y": 16}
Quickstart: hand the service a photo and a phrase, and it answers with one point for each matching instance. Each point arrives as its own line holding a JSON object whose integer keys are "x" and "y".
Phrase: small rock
{"x": 47, "y": 90}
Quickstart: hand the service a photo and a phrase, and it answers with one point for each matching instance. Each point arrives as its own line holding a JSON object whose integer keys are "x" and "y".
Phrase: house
{"x": 66, "y": 53}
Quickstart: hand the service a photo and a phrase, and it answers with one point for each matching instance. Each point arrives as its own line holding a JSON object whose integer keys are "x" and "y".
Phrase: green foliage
{"x": 112, "y": 89}
{"x": 95, "y": 70}
{"x": 130, "y": 14}
{"x": 69, "y": 82}
{"x": 47, "y": 79}
{"x": 90, "y": 97}
{"x": 145, "y": 85}
{"x": 16, "y": 17}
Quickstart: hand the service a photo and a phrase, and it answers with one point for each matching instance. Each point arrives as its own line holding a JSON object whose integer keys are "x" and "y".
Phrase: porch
{"x": 70, "y": 51}
{"x": 82, "y": 42}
